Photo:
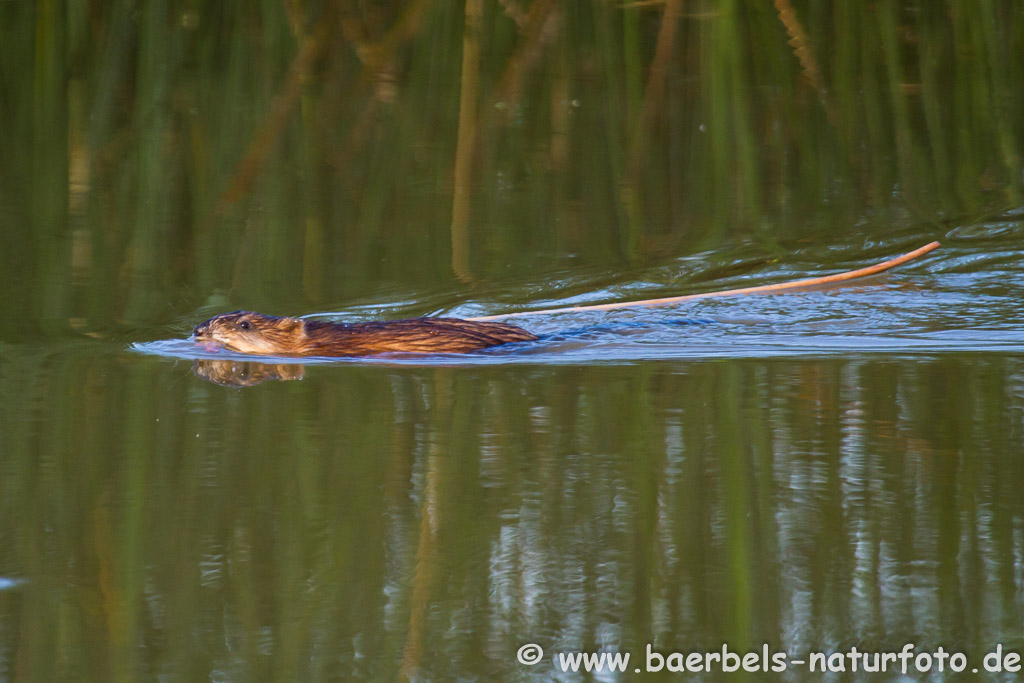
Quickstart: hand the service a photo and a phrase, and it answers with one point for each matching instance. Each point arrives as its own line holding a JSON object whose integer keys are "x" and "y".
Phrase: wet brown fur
{"x": 255, "y": 333}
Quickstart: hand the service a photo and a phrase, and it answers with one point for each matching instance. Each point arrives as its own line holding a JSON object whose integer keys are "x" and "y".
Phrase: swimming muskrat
{"x": 269, "y": 335}
{"x": 249, "y": 332}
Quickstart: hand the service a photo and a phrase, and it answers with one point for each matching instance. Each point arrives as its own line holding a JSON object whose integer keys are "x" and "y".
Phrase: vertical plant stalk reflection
{"x": 804, "y": 53}
{"x": 249, "y": 167}
{"x": 466, "y": 144}
{"x": 422, "y": 579}
{"x": 654, "y": 95}
{"x": 49, "y": 164}
{"x": 427, "y": 557}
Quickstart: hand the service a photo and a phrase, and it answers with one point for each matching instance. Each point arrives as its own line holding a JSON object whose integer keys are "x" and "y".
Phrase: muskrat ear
{"x": 292, "y": 325}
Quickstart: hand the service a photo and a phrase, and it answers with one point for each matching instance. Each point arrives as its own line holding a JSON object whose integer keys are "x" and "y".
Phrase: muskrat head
{"x": 249, "y": 332}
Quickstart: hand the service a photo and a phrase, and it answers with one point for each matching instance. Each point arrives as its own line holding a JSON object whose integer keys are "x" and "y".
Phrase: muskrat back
{"x": 249, "y": 332}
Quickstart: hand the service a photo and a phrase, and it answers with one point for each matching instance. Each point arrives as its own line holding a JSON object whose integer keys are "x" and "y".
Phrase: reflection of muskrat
{"x": 269, "y": 335}
{"x": 236, "y": 373}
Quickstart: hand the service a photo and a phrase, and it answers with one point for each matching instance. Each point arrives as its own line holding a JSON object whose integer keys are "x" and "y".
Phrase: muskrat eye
{"x": 244, "y": 324}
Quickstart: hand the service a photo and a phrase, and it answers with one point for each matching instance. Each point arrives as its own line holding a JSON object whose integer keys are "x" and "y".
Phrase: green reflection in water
{"x": 289, "y": 158}
{"x": 370, "y": 521}
{"x": 167, "y": 161}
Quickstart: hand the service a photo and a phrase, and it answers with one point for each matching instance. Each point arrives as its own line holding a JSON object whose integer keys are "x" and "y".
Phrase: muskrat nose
{"x": 200, "y": 331}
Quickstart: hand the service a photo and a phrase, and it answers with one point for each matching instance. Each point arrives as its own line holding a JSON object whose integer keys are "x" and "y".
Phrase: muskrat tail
{"x": 762, "y": 289}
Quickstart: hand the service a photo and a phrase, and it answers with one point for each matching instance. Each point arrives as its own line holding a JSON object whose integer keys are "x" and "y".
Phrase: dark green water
{"x": 809, "y": 472}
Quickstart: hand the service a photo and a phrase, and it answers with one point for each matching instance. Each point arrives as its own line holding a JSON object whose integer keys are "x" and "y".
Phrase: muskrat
{"x": 255, "y": 333}
{"x": 269, "y": 335}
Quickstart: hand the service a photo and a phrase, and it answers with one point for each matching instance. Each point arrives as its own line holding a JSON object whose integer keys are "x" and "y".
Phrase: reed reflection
{"x": 375, "y": 522}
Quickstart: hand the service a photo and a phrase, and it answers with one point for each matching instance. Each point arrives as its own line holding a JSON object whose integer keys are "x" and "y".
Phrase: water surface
{"x": 807, "y": 472}
{"x": 838, "y": 468}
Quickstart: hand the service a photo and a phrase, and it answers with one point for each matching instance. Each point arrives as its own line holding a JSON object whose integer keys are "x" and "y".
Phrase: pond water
{"x": 935, "y": 308}
{"x": 785, "y": 476}
{"x": 812, "y": 471}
